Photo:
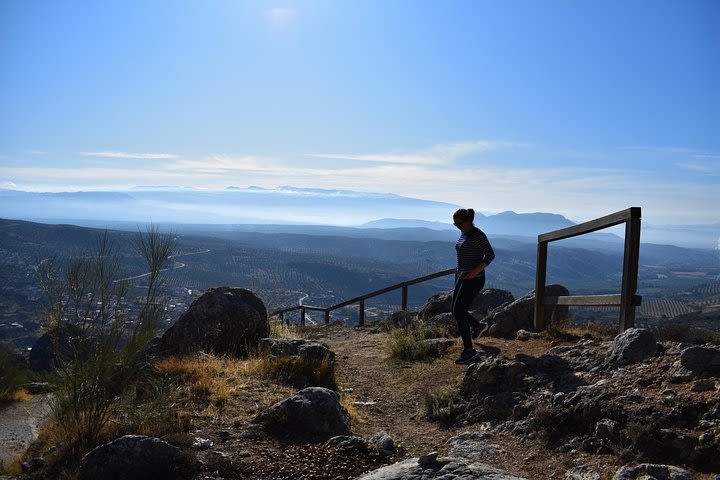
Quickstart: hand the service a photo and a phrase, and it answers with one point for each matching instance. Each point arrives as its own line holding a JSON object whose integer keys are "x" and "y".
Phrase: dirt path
{"x": 19, "y": 425}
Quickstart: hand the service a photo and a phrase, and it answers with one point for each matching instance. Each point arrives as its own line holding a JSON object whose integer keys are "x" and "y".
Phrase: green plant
{"x": 402, "y": 343}
{"x": 96, "y": 363}
{"x": 299, "y": 372}
{"x": 440, "y": 407}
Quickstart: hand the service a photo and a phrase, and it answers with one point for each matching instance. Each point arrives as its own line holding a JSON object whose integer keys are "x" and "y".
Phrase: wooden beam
{"x": 361, "y": 317}
{"x": 327, "y": 316}
{"x": 404, "y": 302}
{"x": 540, "y": 277}
{"x": 590, "y": 300}
{"x": 630, "y": 273}
{"x": 302, "y": 316}
{"x": 591, "y": 226}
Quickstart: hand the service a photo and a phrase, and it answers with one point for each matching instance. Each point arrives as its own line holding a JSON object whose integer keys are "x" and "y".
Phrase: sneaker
{"x": 468, "y": 357}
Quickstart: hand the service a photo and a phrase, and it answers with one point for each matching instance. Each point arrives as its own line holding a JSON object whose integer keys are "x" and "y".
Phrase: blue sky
{"x": 575, "y": 107}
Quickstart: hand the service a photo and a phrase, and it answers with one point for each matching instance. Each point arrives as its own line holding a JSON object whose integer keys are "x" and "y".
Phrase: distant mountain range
{"x": 307, "y": 210}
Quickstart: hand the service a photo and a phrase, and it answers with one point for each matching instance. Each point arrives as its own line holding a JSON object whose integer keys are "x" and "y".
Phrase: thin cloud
{"x": 696, "y": 167}
{"x": 437, "y": 155}
{"x": 149, "y": 156}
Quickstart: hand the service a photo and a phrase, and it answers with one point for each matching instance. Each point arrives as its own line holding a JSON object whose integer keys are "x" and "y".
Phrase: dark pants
{"x": 465, "y": 292}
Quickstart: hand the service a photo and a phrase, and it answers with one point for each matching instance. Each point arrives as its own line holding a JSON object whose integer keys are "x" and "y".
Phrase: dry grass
{"x": 20, "y": 395}
{"x": 298, "y": 371}
{"x": 401, "y": 342}
{"x": 348, "y": 403}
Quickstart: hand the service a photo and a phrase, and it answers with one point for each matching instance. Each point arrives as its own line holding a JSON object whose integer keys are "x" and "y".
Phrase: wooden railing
{"x": 627, "y": 300}
{"x": 361, "y": 299}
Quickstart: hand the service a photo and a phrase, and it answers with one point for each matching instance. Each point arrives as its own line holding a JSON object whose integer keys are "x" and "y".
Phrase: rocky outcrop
{"x": 697, "y": 361}
{"x": 486, "y": 300}
{"x": 431, "y": 466}
{"x": 647, "y": 470}
{"x": 313, "y": 352}
{"x": 348, "y": 442}
{"x": 312, "y": 413}
{"x": 223, "y": 320}
{"x": 57, "y": 344}
{"x": 631, "y": 346}
{"x": 446, "y": 321}
{"x": 505, "y": 321}
{"x": 132, "y": 457}
{"x": 401, "y": 318}
{"x": 383, "y": 442}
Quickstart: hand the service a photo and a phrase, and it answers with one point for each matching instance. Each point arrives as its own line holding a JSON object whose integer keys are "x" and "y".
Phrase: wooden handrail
{"x": 361, "y": 299}
{"x": 627, "y": 300}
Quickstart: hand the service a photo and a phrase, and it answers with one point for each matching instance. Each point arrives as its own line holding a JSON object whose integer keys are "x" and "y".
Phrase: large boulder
{"x": 493, "y": 375}
{"x": 401, "y": 318}
{"x": 485, "y": 301}
{"x": 701, "y": 360}
{"x": 446, "y": 321}
{"x": 312, "y": 413}
{"x": 223, "y": 320}
{"x": 631, "y": 346}
{"x": 56, "y": 345}
{"x": 132, "y": 457}
{"x": 520, "y": 314}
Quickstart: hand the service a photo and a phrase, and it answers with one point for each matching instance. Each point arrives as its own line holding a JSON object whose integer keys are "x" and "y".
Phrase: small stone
{"x": 202, "y": 443}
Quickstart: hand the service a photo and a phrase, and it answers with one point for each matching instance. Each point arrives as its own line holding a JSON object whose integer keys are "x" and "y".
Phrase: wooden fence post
{"x": 327, "y": 317}
{"x": 361, "y": 318}
{"x": 404, "y": 297}
{"x": 540, "y": 277}
{"x": 302, "y": 316}
{"x": 630, "y": 271}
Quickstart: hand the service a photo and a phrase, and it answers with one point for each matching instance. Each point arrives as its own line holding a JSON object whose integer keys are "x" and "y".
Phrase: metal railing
{"x": 361, "y": 299}
{"x": 627, "y": 300}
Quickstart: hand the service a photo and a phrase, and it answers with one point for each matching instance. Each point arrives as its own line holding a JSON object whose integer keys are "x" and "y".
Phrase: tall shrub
{"x": 89, "y": 299}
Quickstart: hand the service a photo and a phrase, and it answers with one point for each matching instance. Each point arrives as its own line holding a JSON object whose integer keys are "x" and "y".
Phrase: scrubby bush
{"x": 96, "y": 372}
{"x": 13, "y": 374}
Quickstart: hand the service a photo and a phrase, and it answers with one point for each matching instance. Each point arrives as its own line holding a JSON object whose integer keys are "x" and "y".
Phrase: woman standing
{"x": 474, "y": 254}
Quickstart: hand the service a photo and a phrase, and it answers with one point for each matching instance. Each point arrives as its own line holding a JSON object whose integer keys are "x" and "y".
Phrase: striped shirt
{"x": 473, "y": 248}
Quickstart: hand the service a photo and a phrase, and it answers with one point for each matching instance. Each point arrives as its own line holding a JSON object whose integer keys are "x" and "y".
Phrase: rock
{"x": 472, "y": 446}
{"x": 53, "y": 346}
{"x": 347, "y": 442}
{"x": 383, "y": 442}
{"x": 311, "y": 412}
{"x": 524, "y": 335}
{"x": 519, "y": 314}
{"x": 202, "y": 443}
{"x": 631, "y": 346}
{"x": 701, "y": 360}
{"x": 401, "y": 318}
{"x": 647, "y": 471}
{"x": 432, "y": 347}
{"x": 428, "y": 460}
{"x": 704, "y": 385}
{"x": 223, "y": 320}
{"x": 35, "y": 388}
{"x": 445, "y": 320}
{"x": 445, "y": 468}
{"x": 314, "y": 352}
{"x": 132, "y": 457}
{"x": 582, "y": 472}
{"x": 486, "y": 300}
{"x": 492, "y": 375}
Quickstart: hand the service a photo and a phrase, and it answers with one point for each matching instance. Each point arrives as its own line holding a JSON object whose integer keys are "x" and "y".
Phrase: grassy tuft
{"x": 440, "y": 406}
{"x": 401, "y": 343}
{"x": 298, "y": 371}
